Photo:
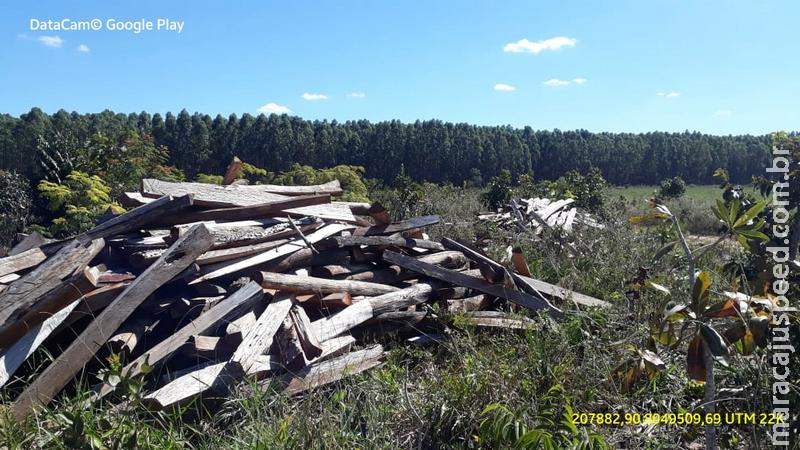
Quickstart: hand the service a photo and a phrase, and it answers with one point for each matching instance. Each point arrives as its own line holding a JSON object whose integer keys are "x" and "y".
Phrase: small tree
{"x": 671, "y": 188}
{"x": 499, "y": 192}
{"x": 76, "y": 202}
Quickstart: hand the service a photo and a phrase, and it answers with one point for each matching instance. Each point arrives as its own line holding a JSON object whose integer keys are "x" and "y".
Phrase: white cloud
{"x": 723, "y": 113}
{"x": 579, "y": 80}
{"x": 504, "y": 87}
{"x": 51, "y": 41}
{"x": 83, "y": 48}
{"x": 274, "y": 108}
{"x": 357, "y": 95}
{"x": 668, "y": 95}
{"x": 526, "y": 46}
{"x": 556, "y": 82}
{"x": 308, "y": 96}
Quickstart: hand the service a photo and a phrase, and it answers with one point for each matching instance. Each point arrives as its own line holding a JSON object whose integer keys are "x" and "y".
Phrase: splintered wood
{"x": 201, "y": 288}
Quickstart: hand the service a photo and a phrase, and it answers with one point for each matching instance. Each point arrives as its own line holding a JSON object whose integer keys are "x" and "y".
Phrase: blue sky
{"x": 714, "y": 66}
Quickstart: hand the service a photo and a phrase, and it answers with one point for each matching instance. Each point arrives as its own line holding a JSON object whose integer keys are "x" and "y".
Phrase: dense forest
{"x": 430, "y": 150}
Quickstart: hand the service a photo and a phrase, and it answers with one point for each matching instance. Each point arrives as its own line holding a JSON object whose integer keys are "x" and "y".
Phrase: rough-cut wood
{"x": 10, "y": 278}
{"x": 334, "y": 370}
{"x": 564, "y": 294}
{"x": 496, "y": 319}
{"x": 58, "y": 374}
{"x": 473, "y": 303}
{"x": 234, "y": 236}
{"x": 410, "y": 224}
{"x": 330, "y": 211}
{"x": 460, "y": 279}
{"x": 241, "y": 324}
{"x": 132, "y": 333}
{"x": 211, "y": 195}
{"x": 491, "y": 270}
{"x": 138, "y": 217}
{"x": 134, "y": 199}
{"x": 404, "y": 298}
{"x": 520, "y": 265}
{"x": 330, "y": 327}
{"x": 51, "y": 286}
{"x": 290, "y": 350}
{"x": 383, "y": 241}
{"x": 21, "y": 261}
{"x": 301, "y": 284}
{"x": 311, "y": 345}
{"x": 13, "y": 357}
{"x": 273, "y": 208}
{"x": 258, "y": 339}
{"x": 91, "y": 303}
{"x": 30, "y": 241}
{"x": 223, "y": 269}
{"x": 316, "y": 302}
{"x": 379, "y": 214}
{"x": 233, "y": 170}
{"x": 394, "y": 274}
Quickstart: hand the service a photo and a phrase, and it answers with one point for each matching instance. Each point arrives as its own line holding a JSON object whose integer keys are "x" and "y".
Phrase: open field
{"x": 703, "y": 194}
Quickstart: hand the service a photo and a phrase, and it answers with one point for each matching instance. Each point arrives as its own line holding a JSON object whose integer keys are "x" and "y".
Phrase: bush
{"x": 210, "y": 179}
{"x": 499, "y": 190}
{"x": 671, "y": 188}
{"x": 350, "y": 177}
{"x": 15, "y": 205}
{"x": 76, "y": 202}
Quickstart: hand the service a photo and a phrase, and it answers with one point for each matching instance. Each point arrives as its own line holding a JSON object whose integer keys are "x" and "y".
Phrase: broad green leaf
{"x": 750, "y": 213}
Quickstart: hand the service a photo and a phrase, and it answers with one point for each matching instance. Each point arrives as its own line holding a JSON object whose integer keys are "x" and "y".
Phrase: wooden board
{"x": 21, "y": 261}
{"x": 384, "y": 241}
{"x": 344, "y": 320}
{"x": 392, "y": 228}
{"x": 137, "y": 218}
{"x": 565, "y": 294}
{"x": 333, "y": 370}
{"x": 310, "y": 285}
{"x": 181, "y": 255}
{"x": 212, "y": 195}
{"x": 258, "y": 339}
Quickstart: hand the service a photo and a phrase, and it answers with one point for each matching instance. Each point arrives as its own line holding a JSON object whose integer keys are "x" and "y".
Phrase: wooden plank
{"x": 13, "y": 357}
{"x": 331, "y": 187}
{"x": 210, "y": 195}
{"x": 311, "y": 345}
{"x": 460, "y": 279}
{"x": 136, "y": 218}
{"x": 499, "y": 320}
{"x": 404, "y": 298}
{"x": 48, "y": 288}
{"x": 273, "y": 208}
{"x": 552, "y": 290}
{"x": 10, "y": 278}
{"x": 21, "y": 261}
{"x": 307, "y": 285}
{"x": 334, "y": 370}
{"x": 223, "y": 269}
{"x": 30, "y": 241}
{"x": 233, "y": 170}
{"x": 134, "y": 199}
{"x": 227, "y": 236}
{"x": 91, "y": 303}
{"x": 383, "y": 241}
{"x": 69, "y": 363}
{"x": 344, "y": 320}
{"x": 258, "y": 339}
{"x": 330, "y": 211}
{"x": 410, "y": 224}
{"x": 474, "y": 303}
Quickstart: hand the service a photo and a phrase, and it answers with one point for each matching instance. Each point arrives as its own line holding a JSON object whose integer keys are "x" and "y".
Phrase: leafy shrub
{"x": 15, "y": 205}
{"x": 76, "y": 202}
{"x": 499, "y": 192}
{"x": 671, "y": 188}
{"x": 350, "y": 177}
{"x": 210, "y": 179}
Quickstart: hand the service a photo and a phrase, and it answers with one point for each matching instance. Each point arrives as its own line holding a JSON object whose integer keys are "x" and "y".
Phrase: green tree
{"x": 15, "y": 205}
{"x": 76, "y": 202}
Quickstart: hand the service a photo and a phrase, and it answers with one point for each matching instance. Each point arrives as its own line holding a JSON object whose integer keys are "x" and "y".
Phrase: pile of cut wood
{"x": 202, "y": 286}
{"x": 538, "y": 214}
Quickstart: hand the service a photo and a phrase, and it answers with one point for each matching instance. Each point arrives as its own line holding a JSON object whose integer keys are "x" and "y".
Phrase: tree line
{"x": 429, "y": 150}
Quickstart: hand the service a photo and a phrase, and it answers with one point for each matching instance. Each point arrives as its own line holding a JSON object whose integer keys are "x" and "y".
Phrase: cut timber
{"x": 274, "y": 208}
{"x": 21, "y": 261}
{"x": 460, "y": 279}
{"x": 474, "y": 303}
{"x": 180, "y": 256}
{"x": 137, "y": 218}
{"x": 384, "y": 241}
{"x": 331, "y": 211}
{"x": 492, "y": 319}
{"x": 520, "y": 265}
{"x": 552, "y": 290}
{"x": 307, "y": 285}
{"x": 227, "y": 236}
{"x": 48, "y": 288}
{"x": 379, "y": 214}
{"x": 491, "y": 270}
{"x": 91, "y": 303}
{"x": 13, "y": 357}
{"x": 211, "y": 195}
{"x": 342, "y": 321}
{"x": 134, "y": 199}
{"x": 311, "y": 345}
{"x": 334, "y": 370}
{"x": 233, "y": 170}
{"x": 392, "y": 228}
{"x": 258, "y": 339}
{"x": 30, "y": 241}
{"x": 223, "y": 269}
{"x": 404, "y": 298}
{"x": 243, "y": 299}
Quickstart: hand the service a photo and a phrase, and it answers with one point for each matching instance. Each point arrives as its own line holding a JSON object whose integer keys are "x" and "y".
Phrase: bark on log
{"x": 300, "y": 284}
{"x": 410, "y": 224}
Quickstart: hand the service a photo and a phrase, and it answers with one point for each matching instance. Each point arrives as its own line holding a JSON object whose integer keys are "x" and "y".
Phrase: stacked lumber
{"x": 200, "y": 287}
{"x": 538, "y": 214}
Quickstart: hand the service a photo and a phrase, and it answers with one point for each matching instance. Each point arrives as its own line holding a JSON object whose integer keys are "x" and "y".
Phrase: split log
{"x": 400, "y": 299}
{"x": 330, "y": 327}
{"x": 410, "y": 224}
{"x": 290, "y": 350}
{"x": 334, "y": 370}
{"x": 233, "y": 170}
{"x": 223, "y": 269}
{"x": 48, "y": 288}
{"x": 58, "y": 374}
{"x": 309, "y": 342}
{"x": 460, "y": 279}
{"x": 21, "y": 261}
{"x": 259, "y": 339}
{"x": 301, "y": 284}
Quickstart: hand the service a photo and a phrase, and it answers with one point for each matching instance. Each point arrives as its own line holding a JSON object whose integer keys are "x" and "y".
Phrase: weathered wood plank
{"x": 309, "y": 341}
{"x": 13, "y": 357}
{"x": 565, "y": 294}
{"x": 222, "y": 269}
{"x": 233, "y": 170}
{"x": 403, "y": 298}
{"x": 333, "y": 370}
{"x": 181, "y": 255}
{"x": 460, "y": 279}
{"x": 383, "y": 241}
{"x": 30, "y": 241}
{"x": 258, "y": 339}
{"x": 48, "y": 288}
{"x": 330, "y": 327}
{"x": 137, "y": 218}
{"x": 392, "y": 228}
{"x": 21, "y": 261}
{"x": 310, "y": 285}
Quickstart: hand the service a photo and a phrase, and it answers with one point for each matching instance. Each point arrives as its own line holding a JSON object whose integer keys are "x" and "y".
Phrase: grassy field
{"x": 473, "y": 389}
